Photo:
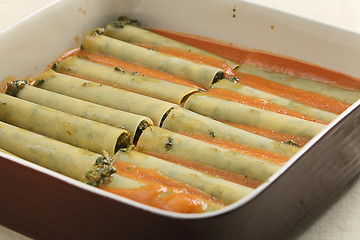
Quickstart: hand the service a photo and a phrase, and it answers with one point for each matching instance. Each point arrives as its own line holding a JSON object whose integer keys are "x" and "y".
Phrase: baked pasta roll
{"x": 104, "y": 95}
{"x": 133, "y": 123}
{"x": 117, "y": 77}
{"x": 204, "y": 75}
{"x": 289, "y": 104}
{"x": 226, "y": 191}
{"x": 130, "y": 31}
{"x": 345, "y": 95}
{"x": 184, "y": 121}
{"x": 157, "y": 140}
{"x": 44, "y": 151}
{"x": 222, "y": 109}
{"x": 93, "y": 169}
{"x": 80, "y": 132}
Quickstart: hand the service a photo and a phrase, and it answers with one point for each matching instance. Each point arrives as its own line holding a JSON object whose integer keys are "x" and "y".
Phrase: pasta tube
{"x": 104, "y": 95}
{"x": 80, "y": 164}
{"x": 158, "y": 140}
{"x": 204, "y": 75}
{"x": 248, "y": 91}
{"x": 63, "y": 158}
{"x": 130, "y": 31}
{"x": 80, "y": 132}
{"x": 133, "y": 123}
{"x": 115, "y": 77}
{"x": 226, "y": 191}
{"x": 183, "y": 120}
{"x": 239, "y": 113}
{"x": 344, "y": 95}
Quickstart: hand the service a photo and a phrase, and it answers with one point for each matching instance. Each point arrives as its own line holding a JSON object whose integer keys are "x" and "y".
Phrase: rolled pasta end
{"x": 123, "y": 141}
{"x": 218, "y": 76}
{"x": 13, "y": 88}
{"x": 141, "y": 127}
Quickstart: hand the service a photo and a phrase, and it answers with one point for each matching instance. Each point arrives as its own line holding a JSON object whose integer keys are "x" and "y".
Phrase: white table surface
{"x": 341, "y": 219}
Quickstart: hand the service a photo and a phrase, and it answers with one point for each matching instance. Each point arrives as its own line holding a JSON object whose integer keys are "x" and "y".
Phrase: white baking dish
{"x": 42, "y": 204}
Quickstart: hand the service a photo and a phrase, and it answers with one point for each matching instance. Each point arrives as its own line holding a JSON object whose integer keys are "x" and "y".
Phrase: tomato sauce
{"x": 161, "y": 191}
{"x": 265, "y": 60}
{"x": 150, "y": 194}
{"x": 297, "y": 95}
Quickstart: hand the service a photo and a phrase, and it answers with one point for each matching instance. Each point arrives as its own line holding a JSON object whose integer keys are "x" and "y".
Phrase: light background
{"x": 341, "y": 219}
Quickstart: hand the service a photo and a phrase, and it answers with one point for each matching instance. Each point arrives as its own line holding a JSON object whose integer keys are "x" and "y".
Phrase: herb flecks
{"x": 39, "y": 82}
{"x": 169, "y": 144}
{"x": 142, "y": 126}
{"x": 13, "y": 88}
{"x": 130, "y": 148}
{"x": 234, "y": 79}
{"x": 219, "y": 75}
{"x": 292, "y": 143}
{"x": 101, "y": 171}
{"x": 128, "y": 21}
{"x": 122, "y": 21}
{"x": 119, "y": 69}
{"x": 54, "y": 66}
{"x": 117, "y": 24}
{"x": 97, "y": 32}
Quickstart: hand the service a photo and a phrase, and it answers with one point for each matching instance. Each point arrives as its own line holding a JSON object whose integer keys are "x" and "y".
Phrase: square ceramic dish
{"x": 42, "y": 204}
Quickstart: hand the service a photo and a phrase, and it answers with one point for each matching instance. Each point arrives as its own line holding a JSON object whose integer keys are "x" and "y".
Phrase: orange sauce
{"x": 151, "y": 175}
{"x": 299, "y": 68}
{"x": 264, "y": 60}
{"x": 71, "y": 52}
{"x": 150, "y": 194}
{"x": 301, "y": 96}
{"x": 161, "y": 191}
{"x": 258, "y": 103}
